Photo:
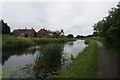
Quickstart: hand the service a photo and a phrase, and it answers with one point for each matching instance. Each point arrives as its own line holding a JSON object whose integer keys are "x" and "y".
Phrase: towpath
{"x": 109, "y": 64}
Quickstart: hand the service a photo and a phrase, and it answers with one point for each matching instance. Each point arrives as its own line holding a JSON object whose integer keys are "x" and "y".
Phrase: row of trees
{"x": 60, "y": 34}
{"x": 109, "y": 27}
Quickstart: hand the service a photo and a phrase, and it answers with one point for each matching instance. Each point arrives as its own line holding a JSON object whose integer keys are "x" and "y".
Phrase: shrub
{"x": 87, "y": 41}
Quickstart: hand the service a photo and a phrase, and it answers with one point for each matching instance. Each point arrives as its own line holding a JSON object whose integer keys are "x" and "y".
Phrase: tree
{"x": 5, "y": 27}
{"x": 62, "y": 32}
{"x": 109, "y": 27}
{"x": 95, "y": 34}
{"x": 79, "y": 36}
{"x": 70, "y": 36}
{"x": 58, "y": 33}
{"x": 89, "y": 35}
{"x": 26, "y": 35}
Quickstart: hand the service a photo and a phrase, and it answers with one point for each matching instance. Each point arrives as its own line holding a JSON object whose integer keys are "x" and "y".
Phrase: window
{"x": 44, "y": 33}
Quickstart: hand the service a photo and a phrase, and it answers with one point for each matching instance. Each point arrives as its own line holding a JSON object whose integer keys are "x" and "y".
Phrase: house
{"x": 25, "y": 32}
{"x": 42, "y": 33}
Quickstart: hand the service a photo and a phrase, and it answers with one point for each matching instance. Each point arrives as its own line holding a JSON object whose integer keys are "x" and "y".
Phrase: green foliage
{"x": 95, "y": 34}
{"x": 87, "y": 41}
{"x": 51, "y": 40}
{"x": 98, "y": 38}
{"x": 84, "y": 66}
{"x": 5, "y": 27}
{"x": 109, "y": 27}
{"x": 49, "y": 61}
{"x": 26, "y": 35}
{"x": 112, "y": 46}
{"x": 79, "y": 36}
{"x": 70, "y": 36}
{"x": 14, "y": 42}
{"x": 62, "y": 36}
{"x": 57, "y": 34}
{"x": 11, "y": 42}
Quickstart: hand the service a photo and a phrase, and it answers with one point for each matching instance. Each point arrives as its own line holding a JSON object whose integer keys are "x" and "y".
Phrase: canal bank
{"x": 15, "y": 42}
{"x": 17, "y": 63}
{"x": 84, "y": 66}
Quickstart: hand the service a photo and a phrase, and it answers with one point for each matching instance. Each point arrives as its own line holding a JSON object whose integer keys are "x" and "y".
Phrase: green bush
{"x": 87, "y": 41}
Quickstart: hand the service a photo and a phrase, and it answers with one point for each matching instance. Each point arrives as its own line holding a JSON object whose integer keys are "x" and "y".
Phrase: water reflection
{"x": 44, "y": 58}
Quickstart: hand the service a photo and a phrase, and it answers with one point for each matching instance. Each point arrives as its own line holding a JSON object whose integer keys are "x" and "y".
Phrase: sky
{"x": 74, "y": 17}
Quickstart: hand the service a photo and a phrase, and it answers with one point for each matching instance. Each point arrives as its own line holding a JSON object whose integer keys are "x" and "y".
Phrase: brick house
{"x": 42, "y": 33}
{"x": 30, "y": 33}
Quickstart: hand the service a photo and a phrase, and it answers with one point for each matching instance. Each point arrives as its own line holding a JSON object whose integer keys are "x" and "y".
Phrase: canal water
{"x": 22, "y": 63}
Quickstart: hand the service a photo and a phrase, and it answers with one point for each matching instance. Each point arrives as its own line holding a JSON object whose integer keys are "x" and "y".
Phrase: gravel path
{"x": 109, "y": 64}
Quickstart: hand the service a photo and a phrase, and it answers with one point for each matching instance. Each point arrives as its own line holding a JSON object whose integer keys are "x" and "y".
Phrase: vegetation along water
{"x": 41, "y": 60}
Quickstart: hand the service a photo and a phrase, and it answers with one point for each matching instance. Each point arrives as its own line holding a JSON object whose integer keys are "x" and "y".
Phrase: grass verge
{"x": 108, "y": 45}
{"x": 85, "y": 65}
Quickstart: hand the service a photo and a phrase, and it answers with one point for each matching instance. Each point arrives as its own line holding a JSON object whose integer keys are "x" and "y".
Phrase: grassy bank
{"x": 85, "y": 65}
{"x": 14, "y": 42}
{"x": 52, "y": 40}
{"x": 11, "y": 42}
{"x": 108, "y": 45}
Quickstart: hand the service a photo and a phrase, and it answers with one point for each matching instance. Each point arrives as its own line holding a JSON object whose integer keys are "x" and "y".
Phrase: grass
{"x": 52, "y": 40}
{"x": 108, "y": 45}
{"x": 85, "y": 65}
{"x": 0, "y": 40}
{"x": 99, "y": 39}
{"x": 11, "y": 42}
{"x": 49, "y": 60}
{"x": 14, "y": 42}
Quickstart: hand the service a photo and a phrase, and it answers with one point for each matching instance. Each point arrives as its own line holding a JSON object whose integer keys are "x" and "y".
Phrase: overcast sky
{"x": 72, "y": 17}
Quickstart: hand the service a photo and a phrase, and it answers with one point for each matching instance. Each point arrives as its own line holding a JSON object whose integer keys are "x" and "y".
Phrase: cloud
{"x": 73, "y": 17}
{"x": 0, "y": 10}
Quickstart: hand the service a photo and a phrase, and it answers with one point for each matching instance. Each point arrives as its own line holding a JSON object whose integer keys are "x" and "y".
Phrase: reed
{"x": 49, "y": 60}
{"x": 15, "y": 42}
{"x": 51, "y": 40}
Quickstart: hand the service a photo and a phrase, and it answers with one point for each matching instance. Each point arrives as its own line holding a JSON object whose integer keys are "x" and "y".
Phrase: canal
{"x": 44, "y": 58}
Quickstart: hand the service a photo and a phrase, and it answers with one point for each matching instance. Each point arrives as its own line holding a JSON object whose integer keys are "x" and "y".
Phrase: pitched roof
{"x": 23, "y": 30}
{"x": 47, "y": 31}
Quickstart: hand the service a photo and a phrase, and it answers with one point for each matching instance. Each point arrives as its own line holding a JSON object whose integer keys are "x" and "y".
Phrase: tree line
{"x": 4, "y": 28}
{"x": 109, "y": 27}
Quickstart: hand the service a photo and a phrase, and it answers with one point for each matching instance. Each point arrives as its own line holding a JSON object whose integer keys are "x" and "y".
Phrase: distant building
{"x": 44, "y": 34}
{"x": 25, "y": 32}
